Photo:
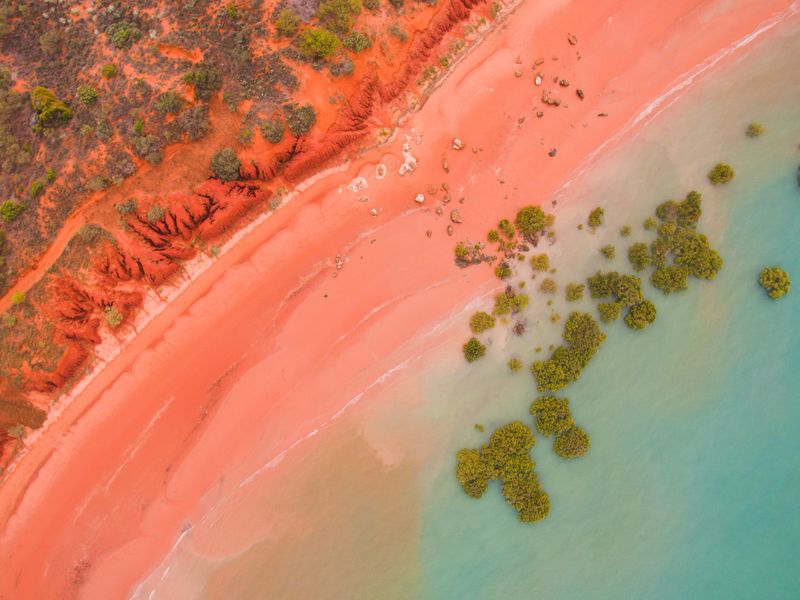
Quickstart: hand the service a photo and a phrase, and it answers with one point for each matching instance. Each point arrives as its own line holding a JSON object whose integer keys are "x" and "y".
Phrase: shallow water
{"x": 691, "y": 484}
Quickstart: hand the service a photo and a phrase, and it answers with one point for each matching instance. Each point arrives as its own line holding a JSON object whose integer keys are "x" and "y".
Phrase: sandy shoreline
{"x": 269, "y": 354}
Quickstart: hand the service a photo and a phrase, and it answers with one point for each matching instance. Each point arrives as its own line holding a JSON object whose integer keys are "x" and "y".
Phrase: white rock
{"x": 420, "y": 198}
{"x": 538, "y": 80}
{"x": 358, "y": 184}
{"x": 457, "y": 144}
{"x": 374, "y": 212}
{"x": 380, "y": 171}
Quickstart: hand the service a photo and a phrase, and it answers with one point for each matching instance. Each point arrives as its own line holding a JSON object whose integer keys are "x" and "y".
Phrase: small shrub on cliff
{"x": 272, "y": 130}
{"x": 287, "y": 23}
{"x": 108, "y": 71}
{"x": 225, "y": 164}
{"x": 156, "y": 213}
{"x": 205, "y": 78}
{"x": 775, "y": 281}
{"x": 87, "y": 94}
{"x": 50, "y": 111}
{"x": 112, "y": 316}
{"x": 10, "y": 210}
{"x": 339, "y": 15}
{"x": 318, "y": 43}
{"x": 300, "y": 119}
{"x": 473, "y": 349}
{"x": 169, "y": 103}
{"x": 357, "y": 41}
{"x": 721, "y": 173}
{"x": 123, "y": 34}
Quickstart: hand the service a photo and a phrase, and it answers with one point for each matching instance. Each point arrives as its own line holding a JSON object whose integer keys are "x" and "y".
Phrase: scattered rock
{"x": 580, "y": 93}
{"x": 445, "y": 166}
{"x": 446, "y": 198}
{"x": 572, "y": 39}
{"x": 517, "y": 73}
{"x": 519, "y": 327}
{"x": 538, "y": 61}
{"x": 455, "y": 216}
{"x": 419, "y": 198}
{"x": 450, "y": 230}
{"x": 358, "y": 184}
{"x": 518, "y": 60}
{"x": 439, "y": 211}
{"x": 380, "y": 171}
{"x": 552, "y": 152}
{"x": 445, "y": 187}
{"x": 409, "y": 162}
{"x": 432, "y": 189}
{"x": 550, "y": 100}
{"x": 429, "y": 233}
{"x": 602, "y": 114}
{"x": 339, "y": 262}
{"x": 538, "y": 80}
{"x": 374, "y": 212}
{"x": 362, "y": 198}
{"x": 563, "y": 83}
{"x": 539, "y": 114}
{"x": 510, "y": 293}
{"x": 457, "y": 144}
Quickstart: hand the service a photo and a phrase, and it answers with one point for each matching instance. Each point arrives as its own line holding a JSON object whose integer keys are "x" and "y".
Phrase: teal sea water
{"x": 692, "y": 483}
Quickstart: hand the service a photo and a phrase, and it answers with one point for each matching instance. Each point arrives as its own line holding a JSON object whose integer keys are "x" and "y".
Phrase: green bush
{"x": 473, "y": 349}
{"x": 17, "y": 298}
{"x": 126, "y": 207}
{"x": 775, "y": 281}
{"x": 574, "y": 291}
{"x": 357, "y": 41}
{"x": 225, "y": 164}
{"x": 481, "y": 321}
{"x": 205, "y": 78}
{"x": 397, "y": 32}
{"x": 548, "y": 286}
{"x": 552, "y": 415}
{"x": 87, "y": 94}
{"x": 595, "y": 219}
{"x": 472, "y": 472}
{"x": 515, "y": 364}
{"x": 300, "y": 119}
{"x": 108, "y": 71}
{"x": 673, "y": 278}
{"x": 169, "y": 103}
{"x": 639, "y": 256}
{"x": 123, "y": 34}
{"x": 531, "y": 221}
{"x": 754, "y": 130}
{"x": 287, "y": 23}
{"x": 610, "y": 252}
{"x": 504, "y": 305}
{"x": 721, "y": 173}
{"x": 507, "y": 228}
{"x": 572, "y": 443}
{"x": 493, "y": 236}
{"x": 10, "y": 210}
{"x": 339, "y": 15}
{"x": 540, "y": 262}
{"x": 641, "y": 315}
{"x": 503, "y": 270}
{"x": 272, "y": 130}
{"x": 610, "y": 311}
{"x": 318, "y": 43}
{"x": 50, "y": 111}
{"x": 372, "y": 4}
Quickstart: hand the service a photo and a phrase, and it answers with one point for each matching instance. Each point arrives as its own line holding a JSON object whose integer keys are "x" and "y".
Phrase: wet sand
{"x": 266, "y": 346}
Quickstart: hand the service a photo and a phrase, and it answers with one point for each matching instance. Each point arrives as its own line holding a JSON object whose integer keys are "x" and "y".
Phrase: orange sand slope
{"x": 267, "y": 344}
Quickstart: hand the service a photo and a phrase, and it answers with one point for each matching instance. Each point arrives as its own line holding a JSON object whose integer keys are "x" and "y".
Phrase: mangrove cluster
{"x": 775, "y": 281}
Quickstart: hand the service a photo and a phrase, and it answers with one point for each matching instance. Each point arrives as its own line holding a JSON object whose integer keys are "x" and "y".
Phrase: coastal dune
{"x": 274, "y": 340}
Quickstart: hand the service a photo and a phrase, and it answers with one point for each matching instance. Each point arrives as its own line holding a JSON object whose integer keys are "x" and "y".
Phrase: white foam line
{"x": 673, "y": 92}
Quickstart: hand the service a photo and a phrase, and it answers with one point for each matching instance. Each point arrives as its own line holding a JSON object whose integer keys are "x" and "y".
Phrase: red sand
{"x": 267, "y": 345}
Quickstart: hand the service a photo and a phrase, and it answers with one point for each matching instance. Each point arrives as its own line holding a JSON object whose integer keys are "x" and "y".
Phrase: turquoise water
{"x": 692, "y": 483}
{"x": 691, "y": 486}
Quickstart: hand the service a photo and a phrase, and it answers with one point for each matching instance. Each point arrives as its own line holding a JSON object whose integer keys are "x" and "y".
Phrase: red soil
{"x": 265, "y": 345}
